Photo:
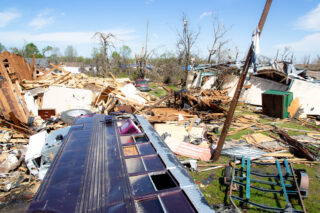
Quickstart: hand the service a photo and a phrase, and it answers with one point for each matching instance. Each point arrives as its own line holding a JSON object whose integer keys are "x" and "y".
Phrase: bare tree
{"x": 317, "y": 60}
{"x": 286, "y": 54}
{"x": 105, "y": 42}
{"x": 70, "y": 53}
{"x": 306, "y": 60}
{"x": 186, "y": 40}
{"x": 219, "y": 31}
{"x": 141, "y": 60}
{"x": 262, "y": 59}
{"x": 236, "y": 53}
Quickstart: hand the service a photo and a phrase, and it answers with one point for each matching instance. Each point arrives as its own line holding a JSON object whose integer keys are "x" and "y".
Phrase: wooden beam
{"x": 237, "y": 93}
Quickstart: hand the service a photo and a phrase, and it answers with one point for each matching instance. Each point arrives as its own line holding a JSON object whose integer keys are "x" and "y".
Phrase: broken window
{"x": 163, "y": 181}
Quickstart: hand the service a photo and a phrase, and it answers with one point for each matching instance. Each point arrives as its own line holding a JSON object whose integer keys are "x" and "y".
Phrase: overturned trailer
{"x": 116, "y": 164}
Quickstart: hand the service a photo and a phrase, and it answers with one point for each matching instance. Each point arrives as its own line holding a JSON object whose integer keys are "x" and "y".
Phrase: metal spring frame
{"x": 245, "y": 168}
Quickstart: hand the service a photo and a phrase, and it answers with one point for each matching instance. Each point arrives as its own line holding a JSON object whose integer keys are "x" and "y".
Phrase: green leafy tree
{"x": 115, "y": 55}
{"x": 115, "y": 60}
{"x": 31, "y": 49}
{"x": 125, "y": 51}
{"x": 46, "y": 49}
{"x": 80, "y": 59}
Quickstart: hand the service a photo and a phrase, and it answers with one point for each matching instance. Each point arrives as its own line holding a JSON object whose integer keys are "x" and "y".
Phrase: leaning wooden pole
{"x": 237, "y": 93}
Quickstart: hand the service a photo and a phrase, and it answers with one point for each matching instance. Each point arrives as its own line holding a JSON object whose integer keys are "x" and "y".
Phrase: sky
{"x": 59, "y": 23}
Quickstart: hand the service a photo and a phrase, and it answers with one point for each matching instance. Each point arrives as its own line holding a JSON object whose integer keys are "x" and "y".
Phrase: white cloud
{"x": 309, "y": 43}
{"x": 204, "y": 14}
{"x": 43, "y": 19}
{"x": 7, "y": 16}
{"x": 310, "y": 21}
{"x": 148, "y": 1}
{"x": 63, "y": 37}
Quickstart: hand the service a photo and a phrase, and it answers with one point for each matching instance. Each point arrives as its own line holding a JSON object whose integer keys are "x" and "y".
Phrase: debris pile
{"x": 37, "y": 105}
{"x": 15, "y": 179}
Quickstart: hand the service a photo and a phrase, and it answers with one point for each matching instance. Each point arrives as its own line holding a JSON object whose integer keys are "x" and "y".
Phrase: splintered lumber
{"x": 299, "y": 147}
{"x": 259, "y": 145}
{"x": 314, "y": 135}
{"x": 169, "y": 114}
{"x": 148, "y": 108}
{"x": 279, "y": 155}
{"x": 17, "y": 127}
{"x": 191, "y": 125}
{"x": 293, "y": 160}
{"x": 10, "y": 96}
{"x": 258, "y": 138}
{"x": 278, "y": 139}
{"x": 114, "y": 78}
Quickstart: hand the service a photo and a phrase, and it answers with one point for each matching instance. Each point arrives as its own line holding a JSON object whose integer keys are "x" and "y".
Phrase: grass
{"x": 293, "y": 126}
{"x": 173, "y": 87}
{"x": 159, "y": 91}
{"x": 215, "y": 192}
{"x": 122, "y": 75}
{"x": 239, "y": 134}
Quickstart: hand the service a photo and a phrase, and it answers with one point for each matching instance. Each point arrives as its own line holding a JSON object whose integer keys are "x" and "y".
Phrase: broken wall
{"x": 62, "y": 99}
{"x": 230, "y": 84}
{"x": 308, "y": 94}
{"x": 13, "y": 69}
{"x": 17, "y": 65}
{"x": 253, "y": 95}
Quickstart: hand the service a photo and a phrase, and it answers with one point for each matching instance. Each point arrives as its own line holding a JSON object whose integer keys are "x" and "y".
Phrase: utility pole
{"x": 237, "y": 93}
{"x": 146, "y": 50}
{"x": 187, "y": 48}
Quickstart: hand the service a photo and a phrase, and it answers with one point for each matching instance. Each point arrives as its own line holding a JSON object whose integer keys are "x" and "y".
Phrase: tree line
{"x": 168, "y": 67}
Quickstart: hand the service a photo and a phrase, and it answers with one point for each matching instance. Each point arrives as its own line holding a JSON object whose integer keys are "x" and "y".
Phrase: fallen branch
{"x": 299, "y": 147}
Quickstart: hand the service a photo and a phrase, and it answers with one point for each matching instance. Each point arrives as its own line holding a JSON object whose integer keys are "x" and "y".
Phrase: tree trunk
{"x": 186, "y": 70}
{"x": 209, "y": 58}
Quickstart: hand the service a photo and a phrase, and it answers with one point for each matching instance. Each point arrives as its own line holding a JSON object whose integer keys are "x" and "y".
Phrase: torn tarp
{"x": 255, "y": 48}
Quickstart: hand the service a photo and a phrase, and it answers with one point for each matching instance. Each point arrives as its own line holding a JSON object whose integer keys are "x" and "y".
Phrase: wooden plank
{"x": 17, "y": 127}
{"x": 284, "y": 155}
{"x": 294, "y": 107}
{"x": 58, "y": 68}
{"x": 191, "y": 125}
